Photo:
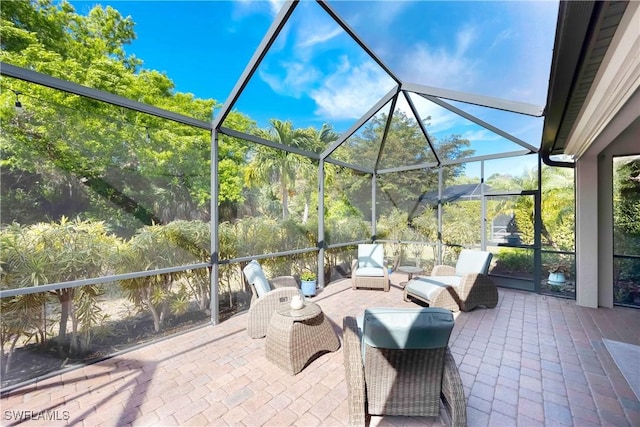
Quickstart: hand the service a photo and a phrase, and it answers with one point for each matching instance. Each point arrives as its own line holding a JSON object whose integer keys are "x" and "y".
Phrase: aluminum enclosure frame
{"x": 217, "y": 127}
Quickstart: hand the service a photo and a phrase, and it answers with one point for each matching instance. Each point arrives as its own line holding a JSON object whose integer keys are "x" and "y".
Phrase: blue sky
{"x": 316, "y": 73}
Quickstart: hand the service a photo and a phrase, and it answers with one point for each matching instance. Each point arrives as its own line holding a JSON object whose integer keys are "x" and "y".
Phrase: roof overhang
{"x": 595, "y": 70}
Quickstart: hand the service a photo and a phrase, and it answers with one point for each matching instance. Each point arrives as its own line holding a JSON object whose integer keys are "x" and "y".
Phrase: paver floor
{"x": 533, "y": 360}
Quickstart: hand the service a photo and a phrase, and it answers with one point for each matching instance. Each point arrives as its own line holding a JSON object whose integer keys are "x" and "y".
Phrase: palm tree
{"x": 321, "y": 139}
{"x": 271, "y": 164}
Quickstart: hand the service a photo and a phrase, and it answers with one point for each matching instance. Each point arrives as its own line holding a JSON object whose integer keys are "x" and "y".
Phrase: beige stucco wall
{"x": 594, "y": 205}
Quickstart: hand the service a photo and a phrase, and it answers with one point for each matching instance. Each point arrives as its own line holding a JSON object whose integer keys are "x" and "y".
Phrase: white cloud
{"x": 464, "y": 38}
{"x": 351, "y": 90}
{"x": 297, "y": 79}
{"x": 440, "y": 119}
{"x": 251, "y": 6}
{"x": 378, "y": 15}
{"x": 503, "y": 36}
{"x": 275, "y": 6}
{"x": 481, "y": 134}
{"x": 317, "y": 36}
{"x": 440, "y": 67}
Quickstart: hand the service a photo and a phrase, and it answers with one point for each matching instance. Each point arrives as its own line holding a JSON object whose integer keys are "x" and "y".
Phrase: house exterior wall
{"x": 594, "y": 205}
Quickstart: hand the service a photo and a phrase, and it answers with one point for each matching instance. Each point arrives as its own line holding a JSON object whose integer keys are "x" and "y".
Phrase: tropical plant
{"x": 60, "y": 252}
{"x": 154, "y": 247}
{"x": 271, "y": 164}
{"x": 308, "y": 276}
{"x": 559, "y": 266}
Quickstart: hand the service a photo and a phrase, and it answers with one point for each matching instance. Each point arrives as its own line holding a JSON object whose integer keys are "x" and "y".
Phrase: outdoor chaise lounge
{"x": 397, "y": 362}
{"x": 266, "y": 296}
{"x": 463, "y": 287}
{"x": 369, "y": 270}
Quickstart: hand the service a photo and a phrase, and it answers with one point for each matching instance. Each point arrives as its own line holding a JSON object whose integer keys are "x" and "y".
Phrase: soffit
{"x": 584, "y": 34}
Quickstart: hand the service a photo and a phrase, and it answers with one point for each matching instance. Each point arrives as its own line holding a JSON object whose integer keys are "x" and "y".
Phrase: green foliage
{"x": 156, "y": 247}
{"x": 43, "y": 253}
{"x": 65, "y": 155}
{"x": 346, "y": 229}
{"x": 626, "y": 205}
{"x": 461, "y": 222}
{"x": 512, "y": 260}
{"x": 308, "y": 276}
{"x": 269, "y": 165}
{"x": 404, "y": 144}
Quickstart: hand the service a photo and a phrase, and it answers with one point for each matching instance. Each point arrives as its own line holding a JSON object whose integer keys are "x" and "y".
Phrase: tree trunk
{"x": 154, "y": 314}
{"x": 73, "y": 344}
{"x": 65, "y": 296}
{"x": 305, "y": 215}
{"x": 7, "y": 365}
{"x": 285, "y": 199}
{"x": 145, "y": 296}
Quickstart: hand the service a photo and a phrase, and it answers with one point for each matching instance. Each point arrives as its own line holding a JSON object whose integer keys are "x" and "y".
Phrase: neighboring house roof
{"x": 454, "y": 193}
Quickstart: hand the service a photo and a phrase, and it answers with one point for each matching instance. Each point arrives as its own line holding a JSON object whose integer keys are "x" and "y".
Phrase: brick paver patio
{"x": 533, "y": 360}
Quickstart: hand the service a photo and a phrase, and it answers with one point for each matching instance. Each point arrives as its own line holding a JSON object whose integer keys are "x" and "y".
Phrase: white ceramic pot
{"x": 297, "y": 302}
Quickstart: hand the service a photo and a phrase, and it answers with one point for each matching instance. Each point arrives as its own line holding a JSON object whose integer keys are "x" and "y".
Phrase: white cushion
{"x": 370, "y": 255}
{"x": 473, "y": 262}
{"x": 446, "y": 280}
{"x": 370, "y": 272}
{"x": 255, "y": 276}
{"x": 426, "y": 287}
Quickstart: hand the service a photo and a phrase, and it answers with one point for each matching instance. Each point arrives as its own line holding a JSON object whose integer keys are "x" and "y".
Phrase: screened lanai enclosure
{"x": 129, "y": 211}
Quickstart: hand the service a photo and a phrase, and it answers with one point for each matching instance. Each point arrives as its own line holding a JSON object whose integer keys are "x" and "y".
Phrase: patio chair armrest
{"x": 354, "y": 267}
{"x": 274, "y": 298}
{"x": 354, "y": 371}
{"x": 284, "y": 282}
{"x": 443, "y": 270}
{"x": 262, "y": 309}
{"x": 453, "y": 392}
{"x": 477, "y": 289}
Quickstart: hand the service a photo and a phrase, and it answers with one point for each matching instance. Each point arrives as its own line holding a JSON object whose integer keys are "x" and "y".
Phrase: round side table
{"x": 295, "y": 337}
{"x": 410, "y": 270}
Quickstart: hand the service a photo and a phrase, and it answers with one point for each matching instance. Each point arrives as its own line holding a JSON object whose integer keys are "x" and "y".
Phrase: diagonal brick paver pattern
{"x": 533, "y": 360}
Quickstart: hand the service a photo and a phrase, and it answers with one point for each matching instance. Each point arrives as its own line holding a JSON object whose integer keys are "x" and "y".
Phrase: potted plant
{"x": 558, "y": 273}
{"x": 308, "y": 283}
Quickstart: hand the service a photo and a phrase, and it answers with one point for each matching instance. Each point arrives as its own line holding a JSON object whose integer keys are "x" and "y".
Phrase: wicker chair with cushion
{"x": 369, "y": 270}
{"x": 266, "y": 296}
{"x": 397, "y": 362}
{"x": 463, "y": 287}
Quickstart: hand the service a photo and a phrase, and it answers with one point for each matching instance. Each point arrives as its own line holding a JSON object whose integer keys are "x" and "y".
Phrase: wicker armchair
{"x": 369, "y": 270}
{"x": 463, "y": 287}
{"x": 397, "y": 362}
{"x": 266, "y": 296}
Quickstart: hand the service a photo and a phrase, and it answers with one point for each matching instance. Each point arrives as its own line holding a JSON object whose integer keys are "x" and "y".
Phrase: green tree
{"x": 557, "y": 205}
{"x": 66, "y": 155}
{"x": 404, "y": 144}
{"x": 269, "y": 165}
{"x": 307, "y": 184}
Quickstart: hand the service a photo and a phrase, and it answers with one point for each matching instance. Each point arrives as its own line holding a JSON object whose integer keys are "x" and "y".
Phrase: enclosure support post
{"x": 320, "y": 240}
{"x": 439, "y": 254}
{"x": 215, "y": 217}
{"x": 483, "y": 208}
{"x": 537, "y": 232}
{"x": 373, "y": 207}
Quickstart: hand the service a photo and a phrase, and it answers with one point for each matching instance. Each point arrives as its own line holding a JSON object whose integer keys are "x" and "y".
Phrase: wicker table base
{"x": 294, "y": 337}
